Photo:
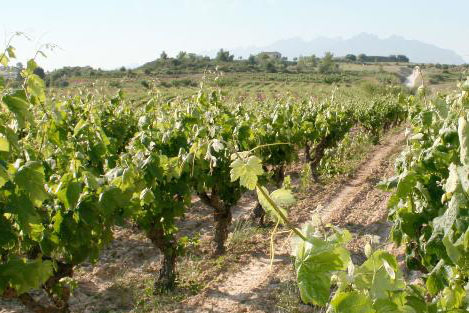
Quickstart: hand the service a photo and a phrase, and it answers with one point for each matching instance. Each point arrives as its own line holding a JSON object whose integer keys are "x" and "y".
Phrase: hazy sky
{"x": 111, "y": 33}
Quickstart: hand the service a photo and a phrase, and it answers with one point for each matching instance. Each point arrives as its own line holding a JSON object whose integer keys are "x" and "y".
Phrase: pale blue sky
{"x": 111, "y": 33}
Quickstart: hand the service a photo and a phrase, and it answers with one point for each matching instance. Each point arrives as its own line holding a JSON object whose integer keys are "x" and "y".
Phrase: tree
{"x": 224, "y": 56}
{"x": 175, "y": 62}
{"x": 270, "y": 67}
{"x": 264, "y": 56}
{"x": 181, "y": 55}
{"x": 402, "y": 58}
{"x": 351, "y": 57}
{"x": 19, "y": 69}
{"x": 192, "y": 57}
{"x": 361, "y": 57}
{"x": 122, "y": 69}
{"x": 39, "y": 71}
{"x": 163, "y": 56}
{"x": 327, "y": 64}
{"x": 252, "y": 60}
{"x": 314, "y": 60}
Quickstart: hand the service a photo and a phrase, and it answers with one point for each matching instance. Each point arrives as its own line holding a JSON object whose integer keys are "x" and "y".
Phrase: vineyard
{"x": 74, "y": 168}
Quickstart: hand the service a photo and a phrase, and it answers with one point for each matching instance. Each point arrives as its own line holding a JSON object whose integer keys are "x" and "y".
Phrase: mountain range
{"x": 369, "y": 44}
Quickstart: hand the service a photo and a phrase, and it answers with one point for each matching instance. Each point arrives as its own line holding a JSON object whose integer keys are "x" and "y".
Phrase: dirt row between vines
{"x": 354, "y": 204}
{"x": 243, "y": 280}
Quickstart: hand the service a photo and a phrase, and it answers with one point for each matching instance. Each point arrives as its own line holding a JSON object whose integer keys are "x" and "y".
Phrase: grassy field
{"x": 240, "y": 85}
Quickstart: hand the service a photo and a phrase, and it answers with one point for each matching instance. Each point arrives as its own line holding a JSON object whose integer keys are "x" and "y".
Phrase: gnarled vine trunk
{"x": 258, "y": 213}
{"x": 168, "y": 246}
{"x": 315, "y": 159}
{"x": 279, "y": 174}
{"x": 60, "y": 300}
{"x": 222, "y": 217}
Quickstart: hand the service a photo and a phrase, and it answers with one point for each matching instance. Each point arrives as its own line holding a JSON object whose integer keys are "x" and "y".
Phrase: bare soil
{"x": 354, "y": 204}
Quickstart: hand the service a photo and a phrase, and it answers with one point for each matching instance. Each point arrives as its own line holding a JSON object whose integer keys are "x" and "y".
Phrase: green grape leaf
{"x": 316, "y": 261}
{"x": 8, "y": 237}
{"x": 444, "y": 223}
{"x": 246, "y": 171}
{"x": 377, "y": 277}
{"x": 112, "y": 199}
{"x": 31, "y": 65}
{"x": 453, "y": 297}
{"x": 11, "y": 52}
{"x": 68, "y": 191}
{"x": 147, "y": 196}
{"x": 386, "y": 306}
{"x": 36, "y": 87}
{"x": 393, "y": 305}
{"x": 82, "y": 124}
{"x": 458, "y": 176}
{"x": 4, "y": 59}
{"x": 437, "y": 279}
{"x": 282, "y": 197}
{"x": 90, "y": 180}
{"x": 452, "y": 251}
{"x": 352, "y": 302}
{"x": 3, "y": 176}
{"x": 30, "y": 179}
{"x": 442, "y": 108}
{"x": 407, "y": 181}
{"x": 18, "y": 104}
{"x": 24, "y": 275}
{"x": 416, "y": 298}
{"x": 389, "y": 269}
{"x": 4, "y": 144}
{"x": 28, "y": 218}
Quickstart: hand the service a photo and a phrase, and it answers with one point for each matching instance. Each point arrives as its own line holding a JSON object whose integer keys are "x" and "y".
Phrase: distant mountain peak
{"x": 370, "y": 44}
{"x": 366, "y": 36}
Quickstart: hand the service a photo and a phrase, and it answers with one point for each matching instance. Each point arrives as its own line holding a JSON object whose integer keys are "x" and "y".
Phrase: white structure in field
{"x": 9, "y": 72}
{"x": 413, "y": 79}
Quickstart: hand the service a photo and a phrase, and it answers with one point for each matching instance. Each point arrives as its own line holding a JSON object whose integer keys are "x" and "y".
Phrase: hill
{"x": 417, "y": 51}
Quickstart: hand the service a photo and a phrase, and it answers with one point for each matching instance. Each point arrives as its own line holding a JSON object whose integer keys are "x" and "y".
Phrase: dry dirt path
{"x": 355, "y": 204}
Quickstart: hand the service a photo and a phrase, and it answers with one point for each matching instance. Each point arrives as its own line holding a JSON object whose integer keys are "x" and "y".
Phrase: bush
{"x": 270, "y": 67}
{"x": 62, "y": 83}
{"x": 226, "y": 81}
{"x": 165, "y": 84}
{"x": 145, "y": 84}
{"x": 330, "y": 79}
{"x": 115, "y": 84}
{"x": 186, "y": 82}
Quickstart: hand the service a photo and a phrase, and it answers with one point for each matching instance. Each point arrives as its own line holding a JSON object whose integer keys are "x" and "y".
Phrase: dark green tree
{"x": 181, "y": 55}
{"x": 351, "y": 57}
{"x": 224, "y": 56}
{"x": 327, "y": 64}
{"x": 270, "y": 67}
{"x": 39, "y": 71}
